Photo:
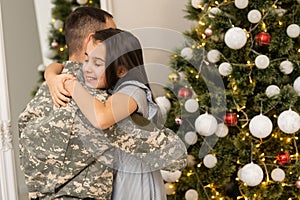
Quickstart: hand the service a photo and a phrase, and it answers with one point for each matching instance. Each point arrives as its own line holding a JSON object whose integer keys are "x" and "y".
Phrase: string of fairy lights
{"x": 264, "y": 170}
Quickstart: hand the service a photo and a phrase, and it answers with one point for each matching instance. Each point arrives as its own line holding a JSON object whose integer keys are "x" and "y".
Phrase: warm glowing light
{"x": 175, "y": 56}
{"x": 274, "y": 6}
{"x": 263, "y": 26}
{"x": 280, "y": 23}
{"x": 61, "y": 49}
{"x": 197, "y": 76}
{"x": 61, "y": 29}
{"x": 201, "y": 23}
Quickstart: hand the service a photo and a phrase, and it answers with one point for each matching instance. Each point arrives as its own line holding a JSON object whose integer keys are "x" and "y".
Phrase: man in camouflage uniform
{"x": 53, "y": 158}
{"x": 63, "y": 155}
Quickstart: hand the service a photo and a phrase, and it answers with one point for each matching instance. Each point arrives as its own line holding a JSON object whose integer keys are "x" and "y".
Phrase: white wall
{"x": 167, "y": 22}
{"x": 23, "y": 55}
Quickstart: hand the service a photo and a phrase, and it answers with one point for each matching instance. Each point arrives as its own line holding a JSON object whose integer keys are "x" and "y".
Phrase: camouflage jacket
{"x": 52, "y": 156}
{"x": 62, "y": 154}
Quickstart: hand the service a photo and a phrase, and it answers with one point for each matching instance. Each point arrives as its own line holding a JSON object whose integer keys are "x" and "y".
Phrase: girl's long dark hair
{"x": 122, "y": 49}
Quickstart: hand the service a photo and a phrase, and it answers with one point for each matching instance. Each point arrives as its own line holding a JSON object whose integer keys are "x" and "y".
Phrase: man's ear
{"x": 121, "y": 71}
{"x": 89, "y": 37}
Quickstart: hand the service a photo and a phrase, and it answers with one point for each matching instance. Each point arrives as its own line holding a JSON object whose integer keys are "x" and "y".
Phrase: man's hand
{"x": 60, "y": 95}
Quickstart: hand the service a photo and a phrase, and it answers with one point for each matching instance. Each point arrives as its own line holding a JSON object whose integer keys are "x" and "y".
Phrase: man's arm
{"x": 55, "y": 81}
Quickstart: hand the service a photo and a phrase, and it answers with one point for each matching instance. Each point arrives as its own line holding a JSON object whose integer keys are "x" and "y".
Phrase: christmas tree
{"x": 58, "y": 50}
{"x": 234, "y": 99}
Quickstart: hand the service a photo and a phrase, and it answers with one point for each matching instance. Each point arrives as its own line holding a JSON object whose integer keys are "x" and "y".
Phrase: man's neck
{"x": 76, "y": 58}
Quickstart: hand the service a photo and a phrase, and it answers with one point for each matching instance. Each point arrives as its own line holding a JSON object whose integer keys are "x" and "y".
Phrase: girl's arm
{"x": 55, "y": 82}
{"x": 101, "y": 115}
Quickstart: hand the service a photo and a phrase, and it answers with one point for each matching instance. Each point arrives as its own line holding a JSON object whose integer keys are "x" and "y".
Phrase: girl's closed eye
{"x": 98, "y": 62}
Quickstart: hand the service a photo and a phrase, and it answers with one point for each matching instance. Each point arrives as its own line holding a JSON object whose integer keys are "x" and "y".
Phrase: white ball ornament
{"x": 82, "y": 2}
{"x": 170, "y": 188}
{"x": 197, "y": 3}
{"x": 286, "y": 67}
{"x": 206, "y": 124}
{"x": 293, "y": 30}
{"x": 262, "y": 61}
{"x": 213, "y": 56}
{"x": 278, "y": 174}
{"x": 210, "y": 161}
{"x": 58, "y": 24}
{"x": 187, "y": 53}
{"x": 289, "y": 121}
{"x": 163, "y": 101}
{"x": 213, "y": 12}
{"x": 225, "y": 69}
{"x": 235, "y": 38}
{"x": 239, "y": 174}
{"x": 241, "y": 4}
{"x": 260, "y": 126}
{"x": 296, "y": 85}
{"x": 170, "y": 176}
{"x": 252, "y": 174}
{"x": 272, "y": 90}
{"x": 254, "y": 16}
{"x": 191, "y": 105}
{"x": 191, "y": 194}
{"x": 222, "y": 130}
{"x": 191, "y": 138}
{"x": 50, "y": 53}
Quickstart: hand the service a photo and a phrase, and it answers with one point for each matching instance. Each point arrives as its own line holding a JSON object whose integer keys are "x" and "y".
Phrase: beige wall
{"x": 167, "y": 22}
{"x": 22, "y": 57}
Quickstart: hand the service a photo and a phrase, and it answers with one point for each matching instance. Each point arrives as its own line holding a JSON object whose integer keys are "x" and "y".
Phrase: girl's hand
{"x": 60, "y": 95}
{"x": 69, "y": 85}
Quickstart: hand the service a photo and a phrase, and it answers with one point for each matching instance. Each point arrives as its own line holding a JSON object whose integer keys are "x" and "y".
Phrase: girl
{"x": 116, "y": 64}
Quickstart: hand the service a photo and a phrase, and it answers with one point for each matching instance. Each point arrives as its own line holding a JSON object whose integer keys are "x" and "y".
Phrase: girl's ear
{"x": 121, "y": 71}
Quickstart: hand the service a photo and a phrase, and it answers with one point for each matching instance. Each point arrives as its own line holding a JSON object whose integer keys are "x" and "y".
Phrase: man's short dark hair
{"x": 80, "y": 23}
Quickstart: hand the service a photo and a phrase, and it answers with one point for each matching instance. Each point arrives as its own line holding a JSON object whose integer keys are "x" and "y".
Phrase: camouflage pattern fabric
{"x": 63, "y": 156}
{"x": 54, "y": 161}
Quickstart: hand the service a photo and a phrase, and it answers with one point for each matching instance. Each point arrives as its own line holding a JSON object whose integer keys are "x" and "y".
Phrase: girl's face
{"x": 94, "y": 66}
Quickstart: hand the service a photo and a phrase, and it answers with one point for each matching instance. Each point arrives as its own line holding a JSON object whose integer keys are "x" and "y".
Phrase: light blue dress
{"x": 134, "y": 179}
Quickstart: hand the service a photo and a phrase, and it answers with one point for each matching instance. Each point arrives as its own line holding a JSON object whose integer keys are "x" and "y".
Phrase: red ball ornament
{"x": 263, "y": 39}
{"x": 283, "y": 158}
{"x": 230, "y": 119}
{"x": 178, "y": 120}
{"x": 297, "y": 183}
{"x": 184, "y": 93}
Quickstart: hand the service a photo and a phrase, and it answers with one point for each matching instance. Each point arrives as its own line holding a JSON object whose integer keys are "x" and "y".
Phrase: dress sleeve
{"x": 139, "y": 95}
